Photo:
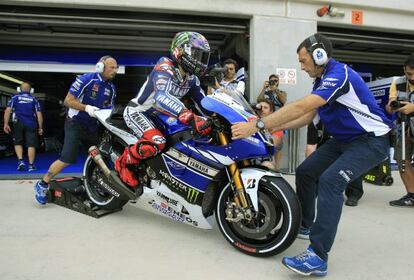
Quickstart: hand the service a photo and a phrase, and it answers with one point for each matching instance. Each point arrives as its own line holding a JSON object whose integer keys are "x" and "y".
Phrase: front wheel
{"x": 273, "y": 228}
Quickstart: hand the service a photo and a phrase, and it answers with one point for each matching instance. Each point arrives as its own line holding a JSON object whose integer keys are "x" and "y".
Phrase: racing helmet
{"x": 191, "y": 51}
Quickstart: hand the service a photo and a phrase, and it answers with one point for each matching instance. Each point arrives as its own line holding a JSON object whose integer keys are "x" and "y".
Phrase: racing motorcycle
{"x": 198, "y": 177}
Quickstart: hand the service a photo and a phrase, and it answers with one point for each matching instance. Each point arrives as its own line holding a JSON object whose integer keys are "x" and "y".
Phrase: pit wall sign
{"x": 287, "y": 76}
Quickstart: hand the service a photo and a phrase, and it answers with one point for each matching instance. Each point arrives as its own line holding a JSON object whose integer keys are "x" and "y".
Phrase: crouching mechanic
{"x": 170, "y": 81}
{"x": 88, "y": 93}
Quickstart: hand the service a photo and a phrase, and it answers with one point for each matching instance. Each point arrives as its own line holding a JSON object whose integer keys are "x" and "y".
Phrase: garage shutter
{"x": 368, "y": 46}
{"x": 108, "y": 30}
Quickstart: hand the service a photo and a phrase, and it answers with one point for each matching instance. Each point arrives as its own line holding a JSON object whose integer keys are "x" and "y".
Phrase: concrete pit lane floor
{"x": 374, "y": 241}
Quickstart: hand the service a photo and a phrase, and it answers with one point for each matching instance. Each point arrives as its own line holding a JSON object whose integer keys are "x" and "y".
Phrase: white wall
{"x": 395, "y": 14}
{"x": 273, "y": 43}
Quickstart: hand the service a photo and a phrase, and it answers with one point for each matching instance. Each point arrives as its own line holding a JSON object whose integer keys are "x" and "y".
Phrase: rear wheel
{"x": 275, "y": 225}
{"x": 93, "y": 181}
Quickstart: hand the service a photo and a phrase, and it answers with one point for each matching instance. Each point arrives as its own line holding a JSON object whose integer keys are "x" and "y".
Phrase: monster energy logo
{"x": 192, "y": 195}
{"x": 181, "y": 38}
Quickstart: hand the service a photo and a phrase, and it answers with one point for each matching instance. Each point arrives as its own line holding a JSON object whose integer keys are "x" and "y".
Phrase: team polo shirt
{"x": 24, "y": 108}
{"x": 351, "y": 109}
{"x": 92, "y": 90}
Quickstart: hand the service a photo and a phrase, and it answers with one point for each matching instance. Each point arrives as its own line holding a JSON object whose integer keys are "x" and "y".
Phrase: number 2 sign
{"x": 357, "y": 17}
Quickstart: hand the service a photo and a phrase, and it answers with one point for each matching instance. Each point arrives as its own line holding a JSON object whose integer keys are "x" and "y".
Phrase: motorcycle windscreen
{"x": 227, "y": 107}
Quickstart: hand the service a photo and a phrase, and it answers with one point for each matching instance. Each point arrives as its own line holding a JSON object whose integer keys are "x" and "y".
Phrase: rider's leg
{"x": 151, "y": 142}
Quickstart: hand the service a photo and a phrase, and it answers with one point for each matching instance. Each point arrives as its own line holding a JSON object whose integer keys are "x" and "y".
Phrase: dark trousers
{"x": 334, "y": 165}
{"x": 355, "y": 189}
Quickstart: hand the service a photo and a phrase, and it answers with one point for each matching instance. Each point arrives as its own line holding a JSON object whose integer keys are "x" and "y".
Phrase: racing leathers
{"x": 163, "y": 90}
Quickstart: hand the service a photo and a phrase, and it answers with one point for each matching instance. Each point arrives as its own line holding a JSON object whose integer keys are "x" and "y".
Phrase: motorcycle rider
{"x": 170, "y": 81}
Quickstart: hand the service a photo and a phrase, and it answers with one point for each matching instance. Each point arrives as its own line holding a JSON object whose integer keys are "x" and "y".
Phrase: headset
{"x": 100, "y": 66}
{"x": 19, "y": 90}
{"x": 317, "y": 51}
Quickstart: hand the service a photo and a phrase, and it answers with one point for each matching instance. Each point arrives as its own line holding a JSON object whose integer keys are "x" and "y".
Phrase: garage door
{"x": 108, "y": 30}
{"x": 367, "y": 46}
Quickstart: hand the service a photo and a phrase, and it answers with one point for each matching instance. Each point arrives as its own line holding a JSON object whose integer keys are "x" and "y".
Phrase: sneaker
{"x": 21, "y": 166}
{"x": 304, "y": 233}
{"x": 32, "y": 167}
{"x": 41, "y": 193}
{"x": 308, "y": 263}
{"x": 351, "y": 201}
{"x": 405, "y": 201}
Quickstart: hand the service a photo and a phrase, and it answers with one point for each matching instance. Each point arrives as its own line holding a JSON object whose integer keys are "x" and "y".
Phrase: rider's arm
{"x": 163, "y": 100}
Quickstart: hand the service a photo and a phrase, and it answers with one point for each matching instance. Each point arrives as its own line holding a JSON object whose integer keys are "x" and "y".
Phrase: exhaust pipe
{"x": 117, "y": 188}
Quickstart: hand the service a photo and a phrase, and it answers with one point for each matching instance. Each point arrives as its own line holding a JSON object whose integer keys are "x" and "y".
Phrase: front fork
{"x": 240, "y": 200}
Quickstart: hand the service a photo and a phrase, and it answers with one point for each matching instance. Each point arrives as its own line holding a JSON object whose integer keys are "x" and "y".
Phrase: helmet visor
{"x": 201, "y": 56}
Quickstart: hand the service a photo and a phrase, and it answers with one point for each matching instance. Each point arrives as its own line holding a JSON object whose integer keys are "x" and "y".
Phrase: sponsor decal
{"x": 157, "y": 139}
{"x": 192, "y": 195}
{"x": 331, "y": 79}
{"x": 107, "y": 92}
{"x": 94, "y": 94}
{"x": 141, "y": 121}
{"x": 253, "y": 139}
{"x": 179, "y": 90}
{"x": 171, "y": 213}
{"x": 24, "y": 100}
{"x": 161, "y": 83}
{"x": 176, "y": 52}
{"x": 177, "y": 155}
{"x": 244, "y": 247}
{"x": 168, "y": 102}
{"x": 250, "y": 183}
{"x": 167, "y": 199}
{"x": 174, "y": 164}
{"x": 344, "y": 175}
{"x": 328, "y": 84}
{"x": 171, "y": 120}
{"x": 380, "y": 92}
{"x": 76, "y": 85}
{"x": 172, "y": 182}
{"x": 95, "y": 87}
{"x": 205, "y": 169}
{"x": 107, "y": 187}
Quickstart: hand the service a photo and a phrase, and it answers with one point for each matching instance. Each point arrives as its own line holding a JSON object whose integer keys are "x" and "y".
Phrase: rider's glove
{"x": 186, "y": 116}
{"x": 200, "y": 124}
{"x": 91, "y": 110}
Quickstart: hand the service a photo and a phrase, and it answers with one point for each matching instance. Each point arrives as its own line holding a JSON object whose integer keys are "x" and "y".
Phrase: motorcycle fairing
{"x": 182, "y": 211}
{"x": 103, "y": 115}
{"x": 251, "y": 177}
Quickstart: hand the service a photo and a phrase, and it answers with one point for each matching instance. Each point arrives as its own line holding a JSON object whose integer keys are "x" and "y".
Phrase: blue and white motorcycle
{"x": 196, "y": 177}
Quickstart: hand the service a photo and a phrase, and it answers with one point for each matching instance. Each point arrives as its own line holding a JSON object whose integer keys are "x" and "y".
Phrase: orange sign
{"x": 357, "y": 17}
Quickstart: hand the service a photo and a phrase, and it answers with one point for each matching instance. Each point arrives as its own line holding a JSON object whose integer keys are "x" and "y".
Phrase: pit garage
{"x": 48, "y": 47}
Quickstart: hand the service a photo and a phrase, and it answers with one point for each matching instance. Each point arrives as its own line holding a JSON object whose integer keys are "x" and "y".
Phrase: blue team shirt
{"x": 351, "y": 110}
{"x": 24, "y": 107}
{"x": 92, "y": 90}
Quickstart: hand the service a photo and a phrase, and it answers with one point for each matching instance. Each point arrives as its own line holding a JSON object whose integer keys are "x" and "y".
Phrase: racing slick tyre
{"x": 273, "y": 228}
{"x": 93, "y": 182}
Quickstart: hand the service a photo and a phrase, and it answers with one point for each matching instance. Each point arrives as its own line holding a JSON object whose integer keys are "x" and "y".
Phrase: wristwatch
{"x": 260, "y": 124}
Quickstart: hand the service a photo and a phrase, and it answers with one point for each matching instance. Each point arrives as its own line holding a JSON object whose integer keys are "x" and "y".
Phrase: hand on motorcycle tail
{"x": 243, "y": 129}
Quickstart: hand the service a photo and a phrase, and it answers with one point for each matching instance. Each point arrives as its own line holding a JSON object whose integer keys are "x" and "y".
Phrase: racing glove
{"x": 91, "y": 110}
{"x": 186, "y": 116}
{"x": 200, "y": 124}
